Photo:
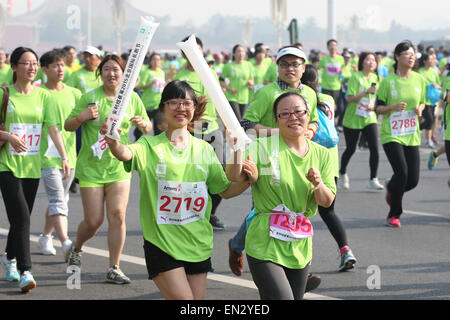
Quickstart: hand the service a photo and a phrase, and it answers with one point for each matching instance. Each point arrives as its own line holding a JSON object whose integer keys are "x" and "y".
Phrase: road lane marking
{"x": 141, "y": 261}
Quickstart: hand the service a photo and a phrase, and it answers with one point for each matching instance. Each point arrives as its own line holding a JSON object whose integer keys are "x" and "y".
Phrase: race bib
{"x": 362, "y": 109}
{"x": 99, "y": 147}
{"x": 159, "y": 84}
{"x": 403, "y": 123}
{"x": 181, "y": 203}
{"x": 52, "y": 151}
{"x": 333, "y": 69}
{"x": 30, "y": 134}
{"x": 289, "y": 226}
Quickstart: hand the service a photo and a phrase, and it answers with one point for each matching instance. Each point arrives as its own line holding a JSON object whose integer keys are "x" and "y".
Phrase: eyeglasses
{"x": 174, "y": 104}
{"x": 285, "y": 65}
{"x": 29, "y": 64}
{"x": 287, "y": 115}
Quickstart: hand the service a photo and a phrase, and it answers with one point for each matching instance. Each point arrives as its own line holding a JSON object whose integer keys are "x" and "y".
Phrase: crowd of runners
{"x": 294, "y": 106}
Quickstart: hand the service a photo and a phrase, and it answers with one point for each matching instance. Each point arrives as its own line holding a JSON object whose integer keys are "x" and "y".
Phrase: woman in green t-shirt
{"x": 295, "y": 175}
{"x": 401, "y": 100}
{"x": 177, "y": 171}
{"x": 237, "y": 80}
{"x": 102, "y": 178}
{"x": 153, "y": 82}
{"x": 359, "y": 118}
{"x": 427, "y": 62}
{"x": 29, "y": 108}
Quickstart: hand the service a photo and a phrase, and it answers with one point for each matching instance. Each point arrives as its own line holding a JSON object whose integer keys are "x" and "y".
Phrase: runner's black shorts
{"x": 158, "y": 261}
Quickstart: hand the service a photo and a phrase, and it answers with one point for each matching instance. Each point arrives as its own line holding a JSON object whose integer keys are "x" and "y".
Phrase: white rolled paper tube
{"x": 129, "y": 78}
{"x": 214, "y": 90}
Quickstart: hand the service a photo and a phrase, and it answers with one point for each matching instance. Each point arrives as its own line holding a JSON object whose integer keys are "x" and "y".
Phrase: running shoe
{"x": 348, "y": 260}
{"x": 66, "y": 249}
{"x": 75, "y": 257}
{"x": 216, "y": 223}
{"x": 11, "y": 269}
{"x": 45, "y": 243}
{"x": 432, "y": 160}
{"x": 343, "y": 182}
{"x": 374, "y": 184}
{"x": 430, "y": 144}
{"x": 27, "y": 282}
{"x": 115, "y": 275}
{"x": 312, "y": 282}
{"x": 393, "y": 222}
{"x": 235, "y": 261}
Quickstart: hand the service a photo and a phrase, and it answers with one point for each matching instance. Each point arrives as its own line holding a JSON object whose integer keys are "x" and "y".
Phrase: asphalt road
{"x": 410, "y": 263}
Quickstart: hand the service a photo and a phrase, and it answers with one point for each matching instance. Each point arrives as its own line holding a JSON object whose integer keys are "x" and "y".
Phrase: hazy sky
{"x": 417, "y": 14}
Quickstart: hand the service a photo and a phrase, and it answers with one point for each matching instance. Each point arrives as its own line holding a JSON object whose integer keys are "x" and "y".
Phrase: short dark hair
{"x": 330, "y": 41}
{"x": 51, "y": 56}
{"x": 399, "y": 48}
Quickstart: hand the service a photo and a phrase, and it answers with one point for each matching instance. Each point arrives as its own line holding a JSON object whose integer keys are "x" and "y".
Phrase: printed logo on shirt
{"x": 38, "y": 109}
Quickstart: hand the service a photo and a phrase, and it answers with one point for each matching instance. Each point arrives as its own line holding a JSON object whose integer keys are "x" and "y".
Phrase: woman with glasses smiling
{"x": 294, "y": 176}
{"x": 401, "y": 100}
{"x": 29, "y": 108}
{"x": 177, "y": 172}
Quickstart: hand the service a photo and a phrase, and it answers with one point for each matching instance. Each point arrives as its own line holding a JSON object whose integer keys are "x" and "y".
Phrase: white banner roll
{"x": 214, "y": 90}
{"x": 134, "y": 64}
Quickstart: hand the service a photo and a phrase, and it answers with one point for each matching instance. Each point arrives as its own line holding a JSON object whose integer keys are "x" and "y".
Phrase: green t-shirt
{"x": 446, "y": 90}
{"x": 210, "y": 114}
{"x": 95, "y": 161}
{"x": 356, "y": 114}
{"x": 174, "y": 203}
{"x": 347, "y": 71}
{"x": 394, "y": 90}
{"x": 152, "y": 95}
{"x": 84, "y": 80}
{"x": 238, "y": 74}
{"x": 6, "y": 75}
{"x": 431, "y": 76}
{"x": 26, "y": 115}
{"x": 65, "y": 101}
{"x": 282, "y": 180}
{"x": 260, "y": 109}
{"x": 259, "y": 73}
{"x": 332, "y": 68}
{"x": 271, "y": 74}
{"x": 334, "y": 152}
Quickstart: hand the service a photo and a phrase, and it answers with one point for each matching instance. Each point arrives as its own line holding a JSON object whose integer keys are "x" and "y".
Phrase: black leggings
{"x": 334, "y": 224}
{"x": 428, "y": 116}
{"x": 276, "y": 282}
{"x": 18, "y": 196}
{"x": 405, "y": 162}
{"x": 238, "y": 109}
{"x": 447, "y": 150}
{"x": 351, "y": 140}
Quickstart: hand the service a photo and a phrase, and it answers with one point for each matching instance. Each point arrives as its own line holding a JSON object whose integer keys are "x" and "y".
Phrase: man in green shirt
{"x": 56, "y": 185}
{"x": 259, "y": 115}
{"x": 331, "y": 67}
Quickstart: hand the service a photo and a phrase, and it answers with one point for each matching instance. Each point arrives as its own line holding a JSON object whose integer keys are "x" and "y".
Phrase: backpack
{"x": 326, "y": 135}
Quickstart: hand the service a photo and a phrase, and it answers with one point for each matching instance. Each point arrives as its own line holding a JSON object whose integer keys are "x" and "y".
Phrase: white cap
{"x": 93, "y": 50}
{"x": 293, "y": 51}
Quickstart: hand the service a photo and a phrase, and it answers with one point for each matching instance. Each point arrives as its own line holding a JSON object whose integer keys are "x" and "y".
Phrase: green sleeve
{"x": 258, "y": 107}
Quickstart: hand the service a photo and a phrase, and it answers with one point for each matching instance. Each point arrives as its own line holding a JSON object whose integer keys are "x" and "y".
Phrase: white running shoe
{"x": 66, "y": 247}
{"x": 45, "y": 243}
{"x": 374, "y": 184}
{"x": 343, "y": 182}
